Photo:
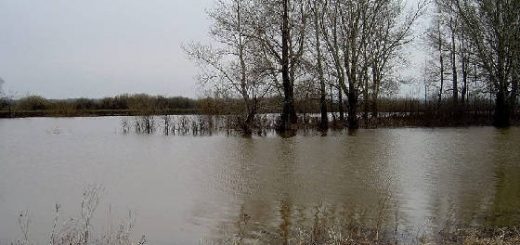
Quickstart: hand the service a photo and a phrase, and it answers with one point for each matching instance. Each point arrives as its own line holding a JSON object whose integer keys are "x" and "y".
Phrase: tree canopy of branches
{"x": 488, "y": 37}
{"x": 286, "y": 47}
{"x": 280, "y": 29}
{"x": 363, "y": 38}
{"x": 232, "y": 67}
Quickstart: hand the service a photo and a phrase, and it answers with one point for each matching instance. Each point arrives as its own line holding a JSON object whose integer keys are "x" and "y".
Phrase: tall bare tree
{"x": 464, "y": 57}
{"x": 363, "y": 37}
{"x": 453, "y": 56}
{"x": 233, "y": 67}
{"x": 317, "y": 14}
{"x": 492, "y": 28}
{"x": 436, "y": 38}
{"x": 280, "y": 32}
{"x": 391, "y": 31}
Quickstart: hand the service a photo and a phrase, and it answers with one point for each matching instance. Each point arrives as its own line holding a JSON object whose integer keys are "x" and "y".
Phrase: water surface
{"x": 192, "y": 190}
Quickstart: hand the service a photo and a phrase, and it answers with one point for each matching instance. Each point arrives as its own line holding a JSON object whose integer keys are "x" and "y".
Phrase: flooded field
{"x": 185, "y": 189}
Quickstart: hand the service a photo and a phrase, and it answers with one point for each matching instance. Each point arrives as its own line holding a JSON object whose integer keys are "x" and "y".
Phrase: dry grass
{"x": 368, "y": 225}
{"x": 78, "y": 230}
{"x": 328, "y": 226}
{"x": 481, "y": 236}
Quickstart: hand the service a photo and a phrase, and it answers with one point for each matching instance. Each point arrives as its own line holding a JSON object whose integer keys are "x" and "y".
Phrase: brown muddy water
{"x": 198, "y": 190}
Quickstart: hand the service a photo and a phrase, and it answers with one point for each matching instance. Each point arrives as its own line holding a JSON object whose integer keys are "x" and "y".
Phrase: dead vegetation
{"x": 78, "y": 230}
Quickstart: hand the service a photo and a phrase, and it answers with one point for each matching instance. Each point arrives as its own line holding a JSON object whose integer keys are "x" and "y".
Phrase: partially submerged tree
{"x": 391, "y": 31}
{"x": 363, "y": 38}
{"x": 350, "y": 46}
{"x": 233, "y": 67}
{"x": 492, "y": 31}
{"x": 318, "y": 60}
{"x": 280, "y": 29}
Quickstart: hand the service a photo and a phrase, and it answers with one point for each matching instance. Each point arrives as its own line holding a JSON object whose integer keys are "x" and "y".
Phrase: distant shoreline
{"x": 392, "y": 120}
{"x": 391, "y": 112}
{"x": 89, "y": 113}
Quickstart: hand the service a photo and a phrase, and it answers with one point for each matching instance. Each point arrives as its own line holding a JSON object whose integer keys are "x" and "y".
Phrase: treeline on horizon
{"x": 126, "y": 104}
{"x": 149, "y": 105}
{"x": 144, "y": 104}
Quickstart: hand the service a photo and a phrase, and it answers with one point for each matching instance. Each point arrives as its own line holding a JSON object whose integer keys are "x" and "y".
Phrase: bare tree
{"x": 453, "y": 55}
{"x": 280, "y": 32}
{"x": 449, "y": 38}
{"x": 436, "y": 38}
{"x": 391, "y": 31}
{"x": 330, "y": 25}
{"x": 317, "y": 14}
{"x": 492, "y": 29}
{"x": 233, "y": 67}
{"x": 464, "y": 57}
{"x": 363, "y": 37}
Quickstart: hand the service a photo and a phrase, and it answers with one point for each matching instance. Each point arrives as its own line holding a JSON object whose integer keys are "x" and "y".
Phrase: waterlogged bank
{"x": 194, "y": 190}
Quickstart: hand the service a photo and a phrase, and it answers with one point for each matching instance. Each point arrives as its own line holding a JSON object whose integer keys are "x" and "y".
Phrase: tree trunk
{"x": 352, "y": 106}
{"x": 501, "y": 117}
{"x": 341, "y": 108}
{"x": 366, "y": 100}
{"x": 375, "y": 111}
{"x": 332, "y": 104}
{"x": 324, "y": 122}
{"x": 247, "y": 126}
{"x": 375, "y": 93}
{"x": 441, "y": 61}
{"x": 454, "y": 64}
{"x": 289, "y": 117}
{"x": 514, "y": 94}
{"x": 464, "y": 79}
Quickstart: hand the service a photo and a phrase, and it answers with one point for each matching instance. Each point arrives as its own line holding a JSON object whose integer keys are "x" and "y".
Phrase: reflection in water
{"x": 306, "y": 187}
{"x": 505, "y": 210}
{"x": 376, "y": 185}
{"x": 382, "y": 184}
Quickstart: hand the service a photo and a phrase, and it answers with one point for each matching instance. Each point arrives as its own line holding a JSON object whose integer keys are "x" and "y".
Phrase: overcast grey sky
{"x": 97, "y": 48}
